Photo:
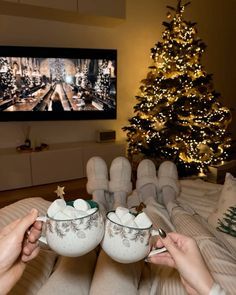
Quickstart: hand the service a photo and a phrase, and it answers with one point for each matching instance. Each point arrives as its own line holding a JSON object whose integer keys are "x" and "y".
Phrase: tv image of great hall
{"x": 56, "y": 84}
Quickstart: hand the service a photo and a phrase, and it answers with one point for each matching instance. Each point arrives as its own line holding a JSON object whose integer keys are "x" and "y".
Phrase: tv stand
{"x": 61, "y": 162}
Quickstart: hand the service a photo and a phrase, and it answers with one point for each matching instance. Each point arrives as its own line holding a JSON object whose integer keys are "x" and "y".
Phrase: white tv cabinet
{"x": 61, "y": 162}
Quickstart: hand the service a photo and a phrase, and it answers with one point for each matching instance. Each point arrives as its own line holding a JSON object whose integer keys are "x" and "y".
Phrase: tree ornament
{"x": 60, "y": 192}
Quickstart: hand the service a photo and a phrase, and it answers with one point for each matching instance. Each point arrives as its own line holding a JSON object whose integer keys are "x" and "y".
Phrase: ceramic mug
{"x": 74, "y": 237}
{"x": 126, "y": 244}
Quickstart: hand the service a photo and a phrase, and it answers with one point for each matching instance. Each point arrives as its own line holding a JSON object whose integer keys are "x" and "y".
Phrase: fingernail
{"x": 162, "y": 233}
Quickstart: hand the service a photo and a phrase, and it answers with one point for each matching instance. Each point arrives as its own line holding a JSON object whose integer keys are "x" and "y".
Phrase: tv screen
{"x": 45, "y": 83}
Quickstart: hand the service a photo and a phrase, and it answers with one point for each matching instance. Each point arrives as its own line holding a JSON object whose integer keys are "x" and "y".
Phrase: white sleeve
{"x": 217, "y": 290}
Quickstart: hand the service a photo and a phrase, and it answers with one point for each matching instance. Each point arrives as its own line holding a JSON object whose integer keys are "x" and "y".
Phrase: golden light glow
{"x": 178, "y": 115}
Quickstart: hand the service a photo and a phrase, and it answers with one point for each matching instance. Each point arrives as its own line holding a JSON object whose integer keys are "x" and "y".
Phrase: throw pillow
{"x": 224, "y": 214}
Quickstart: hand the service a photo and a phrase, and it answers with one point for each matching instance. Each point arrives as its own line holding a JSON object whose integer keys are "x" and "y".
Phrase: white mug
{"x": 126, "y": 244}
{"x": 74, "y": 237}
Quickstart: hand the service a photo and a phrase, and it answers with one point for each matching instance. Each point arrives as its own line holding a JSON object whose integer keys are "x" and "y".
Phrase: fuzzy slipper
{"x": 146, "y": 173}
{"x": 168, "y": 176}
{"x": 120, "y": 176}
{"x": 97, "y": 175}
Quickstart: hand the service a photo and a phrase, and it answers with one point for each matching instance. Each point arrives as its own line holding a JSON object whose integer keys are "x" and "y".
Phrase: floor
{"x": 73, "y": 189}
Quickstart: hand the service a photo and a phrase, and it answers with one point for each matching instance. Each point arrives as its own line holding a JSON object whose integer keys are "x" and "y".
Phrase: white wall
{"x": 133, "y": 39}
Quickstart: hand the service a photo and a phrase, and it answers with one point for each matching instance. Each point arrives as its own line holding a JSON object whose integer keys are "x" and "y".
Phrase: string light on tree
{"x": 7, "y": 80}
{"x": 179, "y": 115}
{"x": 58, "y": 69}
{"x": 103, "y": 79}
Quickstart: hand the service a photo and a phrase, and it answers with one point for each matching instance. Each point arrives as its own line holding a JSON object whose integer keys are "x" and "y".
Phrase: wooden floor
{"x": 73, "y": 189}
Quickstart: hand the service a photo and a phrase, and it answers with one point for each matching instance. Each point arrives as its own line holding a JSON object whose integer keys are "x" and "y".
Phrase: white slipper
{"x": 120, "y": 176}
{"x": 97, "y": 175}
{"x": 168, "y": 169}
{"x": 146, "y": 173}
{"x": 168, "y": 176}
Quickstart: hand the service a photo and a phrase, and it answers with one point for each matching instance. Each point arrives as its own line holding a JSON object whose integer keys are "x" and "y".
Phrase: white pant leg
{"x": 72, "y": 276}
{"x": 111, "y": 277}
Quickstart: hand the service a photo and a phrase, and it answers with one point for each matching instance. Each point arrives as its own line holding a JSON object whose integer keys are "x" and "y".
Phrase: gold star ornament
{"x": 60, "y": 192}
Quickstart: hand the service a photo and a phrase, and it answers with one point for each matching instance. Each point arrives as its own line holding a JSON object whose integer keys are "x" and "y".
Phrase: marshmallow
{"x": 81, "y": 204}
{"x": 59, "y": 210}
{"x": 142, "y": 220}
{"x": 127, "y": 219}
{"x": 122, "y": 216}
{"x": 91, "y": 211}
{"x": 132, "y": 224}
{"x": 80, "y": 213}
{"x": 61, "y": 216}
{"x": 121, "y": 211}
{"x": 69, "y": 211}
{"x": 113, "y": 217}
{"x": 74, "y": 213}
{"x": 56, "y": 206}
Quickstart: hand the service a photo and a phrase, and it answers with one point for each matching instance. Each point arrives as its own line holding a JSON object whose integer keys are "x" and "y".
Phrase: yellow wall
{"x": 133, "y": 39}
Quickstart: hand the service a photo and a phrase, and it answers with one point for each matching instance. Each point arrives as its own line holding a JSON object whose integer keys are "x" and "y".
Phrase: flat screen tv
{"x": 45, "y": 83}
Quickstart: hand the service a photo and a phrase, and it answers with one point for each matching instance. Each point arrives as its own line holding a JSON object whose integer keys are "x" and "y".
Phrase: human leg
{"x": 114, "y": 278}
{"x": 111, "y": 277}
{"x": 146, "y": 183}
{"x": 163, "y": 187}
{"x": 72, "y": 276}
{"x": 156, "y": 279}
{"x": 168, "y": 187}
{"x": 120, "y": 185}
{"x": 150, "y": 190}
{"x": 97, "y": 181}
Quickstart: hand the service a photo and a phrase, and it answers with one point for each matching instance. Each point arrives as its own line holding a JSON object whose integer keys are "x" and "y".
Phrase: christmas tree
{"x": 228, "y": 224}
{"x": 82, "y": 75}
{"x": 7, "y": 80}
{"x": 103, "y": 79}
{"x": 179, "y": 115}
{"x": 57, "y": 69}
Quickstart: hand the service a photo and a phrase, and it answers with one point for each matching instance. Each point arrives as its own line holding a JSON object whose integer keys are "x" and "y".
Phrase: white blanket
{"x": 202, "y": 196}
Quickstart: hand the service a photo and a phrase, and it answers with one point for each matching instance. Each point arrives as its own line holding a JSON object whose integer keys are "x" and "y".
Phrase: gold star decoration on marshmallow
{"x": 60, "y": 191}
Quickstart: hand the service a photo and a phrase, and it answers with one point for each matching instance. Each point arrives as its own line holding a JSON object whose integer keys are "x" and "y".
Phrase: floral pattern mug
{"x": 74, "y": 237}
{"x": 126, "y": 244}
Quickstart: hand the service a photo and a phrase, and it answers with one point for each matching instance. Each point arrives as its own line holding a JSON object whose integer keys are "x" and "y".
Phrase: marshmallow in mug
{"x": 71, "y": 231}
{"x": 59, "y": 210}
{"x": 122, "y": 216}
{"x": 127, "y": 237}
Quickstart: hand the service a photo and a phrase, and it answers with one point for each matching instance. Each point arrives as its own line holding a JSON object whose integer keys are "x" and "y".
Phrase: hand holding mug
{"x": 18, "y": 244}
{"x": 184, "y": 254}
